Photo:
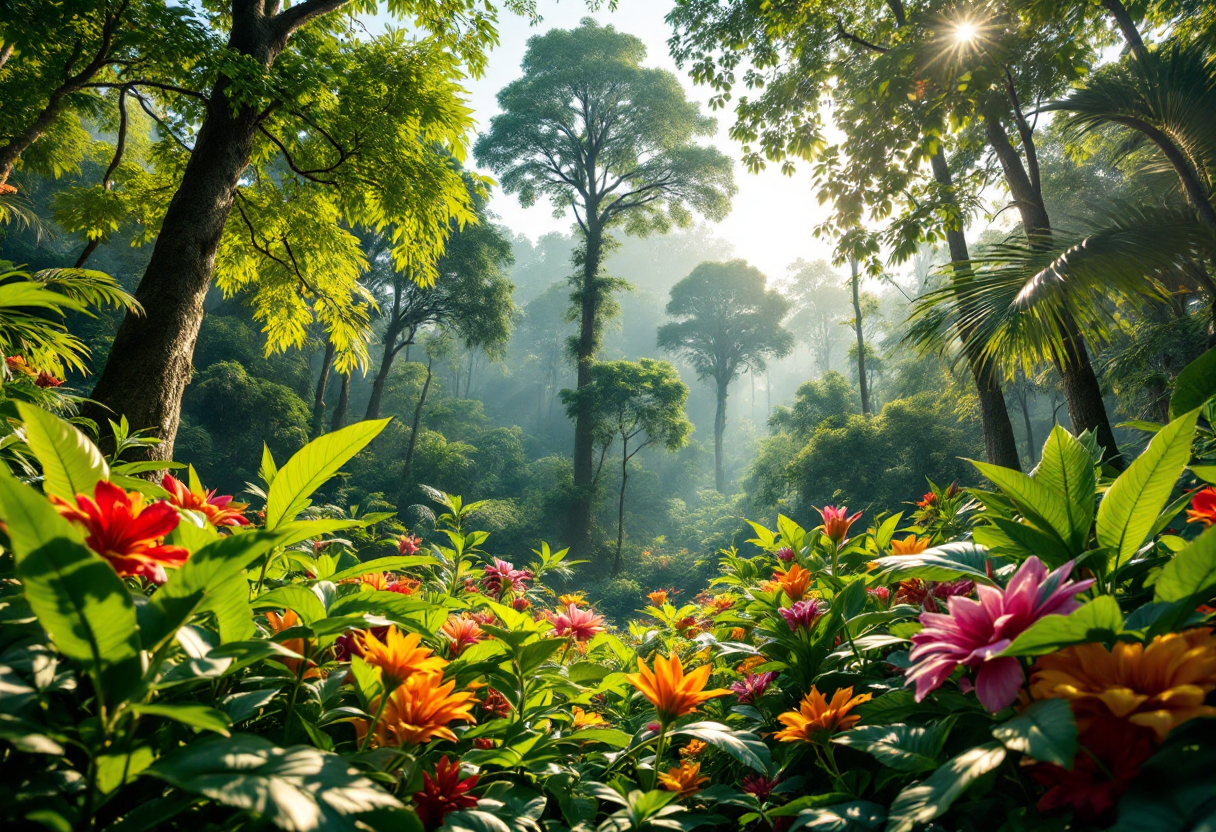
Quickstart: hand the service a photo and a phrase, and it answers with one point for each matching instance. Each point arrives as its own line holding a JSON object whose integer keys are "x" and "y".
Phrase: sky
{"x": 772, "y": 216}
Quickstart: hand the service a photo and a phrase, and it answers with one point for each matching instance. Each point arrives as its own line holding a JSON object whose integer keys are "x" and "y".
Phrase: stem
{"x": 375, "y": 722}
{"x": 660, "y": 747}
{"x": 291, "y": 701}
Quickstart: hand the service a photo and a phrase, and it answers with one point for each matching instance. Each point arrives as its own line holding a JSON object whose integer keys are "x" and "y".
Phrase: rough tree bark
{"x": 409, "y": 451}
{"x": 584, "y": 441}
{"x": 719, "y": 431}
{"x": 318, "y": 401}
{"x": 391, "y": 348}
{"x": 862, "y": 382}
{"x": 339, "y": 418}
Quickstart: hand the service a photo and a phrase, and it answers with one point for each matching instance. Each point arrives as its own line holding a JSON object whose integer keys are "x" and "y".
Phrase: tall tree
{"x": 598, "y": 134}
{"x": 863, "y": 384}
{"x": 341, "y": 131}
{"x": 641, "y": 404}
{"x": 820, "y": 303}
{"x": 471, "y": 298}
{"x": 731, "y": 322}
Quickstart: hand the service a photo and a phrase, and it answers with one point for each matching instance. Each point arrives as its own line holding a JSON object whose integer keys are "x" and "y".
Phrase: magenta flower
{"x": 753, "y": 686}
{"x": 758, "y": 785}
{"x": 803, "y": 614}
{"x": 974, "y": 633}
{"x": 881, "y": 593}
{"x": 503, "y": 576}
{"x": 836, "y": 522}
{"x": 785, "y": 554}
{"x": 581, "y": 624}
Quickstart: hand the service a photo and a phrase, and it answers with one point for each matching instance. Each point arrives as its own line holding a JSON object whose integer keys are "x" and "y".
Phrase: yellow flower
{"x": 586, "y": 719}
{"x": 374, "y": 580}
{"x": 671, "y": 692}
{"x": 1159, "y": 686}
{"x": 818, "y": 717}
{"x": 910, "y": 545}
{"x": 658, "y": 597}
{"x": 693, "y": 748}
{"x": 738, "y": 634}
{"x": 399, "y": 656}
{"x": 794, "y": 582}
{"x": 685, "y": 780}
{"x": 749, "y": 664}
{"x": 575, "y": 598}
{"x": 770, "y": 586}
{"x": 419, "y": 711}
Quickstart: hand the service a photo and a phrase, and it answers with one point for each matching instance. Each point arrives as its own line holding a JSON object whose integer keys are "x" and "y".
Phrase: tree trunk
{"x": 861, "y": 341}
{"x": 386, "y": 365}
{"x": 1086, "y": 408}
{"x": 1127, "y": 27}
{"x": 1000, "y": 445}
{"x": 584, "y": 441}
{"x": 719, "y": 430}
{"x": 339, "y": 418}
{"x": 318, "y": 401}
{"x": 149, "y": 363}
{"x": 409, "y": 450}
{"x": 620, "y": 508}
{"x": 1030, "y": 446}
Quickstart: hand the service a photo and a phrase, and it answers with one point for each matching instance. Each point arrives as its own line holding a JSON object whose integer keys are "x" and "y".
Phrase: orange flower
{"x": 818, "y": 718}
{"x": 671, "y": 692}
{"x": 586, "y": 719}
{"x": 749, "y": 664}
{"x": 694, "y": 748}
{"x": 685, "y": 780}
{"x": 910, "y": 545}
{"x": 1159, "y": 686}
{"x": 279, "y": 623}
{"x": 220, "y": 511}
{"x": 399, "y": 656}
{"x": 794, "y": 582}
{"x": 373, "y": 580}
{"x": 738, "y": 634}
{"x": 658, "y": 598}
{"x": 770, "y": 586}
{"x": 1203, "y": 507}
{"x": 419, "y": 711}
{"x": 462, "y": 632}
{"x": 126, "y": 532}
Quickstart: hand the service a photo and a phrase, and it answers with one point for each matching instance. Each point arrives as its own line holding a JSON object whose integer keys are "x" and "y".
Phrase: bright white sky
{"x": 773, "y": 215}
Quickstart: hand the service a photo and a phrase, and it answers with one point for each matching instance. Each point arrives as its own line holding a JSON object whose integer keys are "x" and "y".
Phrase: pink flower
{"x": 974, "y": 633}
{"x": 804, "y": 614}
{"x": 758, "y": 785}
{"x": 408, "y": 544}
{"x": 580, "y": 624}
{"x": 882, "y": 593}
{"x": 502, "y": 576}
{"x": 785, "y": 554}
{"x": 836, "y": 522}
{"x": 752, "y": 686}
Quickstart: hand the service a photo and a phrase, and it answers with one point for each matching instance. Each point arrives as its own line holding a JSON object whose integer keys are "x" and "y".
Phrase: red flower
{"x": 484, "y": 743}
{"x": 758, "y": 785}
{"x": 126, "y": 532}
{"x": 443, "y": 793}
{"x": 45, "y": 379}
{"x": 495, "y": 703}
{"x": 503, "y": 576}
{"x": 1203, "y": 507}
{"x": 520, "y": 604}
{"x": 221, "y": 511}
{"x": 836, "y": 522}
{"x": 930, "y": 499}
{"x": 785, "y": 554}
{"x": 882, "y": 593}
{"x": 408, "y": 544}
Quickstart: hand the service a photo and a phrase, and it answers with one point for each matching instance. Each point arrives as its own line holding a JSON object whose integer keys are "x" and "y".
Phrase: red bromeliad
{"x": 219, "y": 510}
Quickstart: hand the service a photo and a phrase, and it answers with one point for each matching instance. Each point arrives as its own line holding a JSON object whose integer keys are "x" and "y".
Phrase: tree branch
{"x": 291, "y": 163}
{"x": 857, "y": 39}
{"x": 287, "y": 21}
{"x": 144, "y": 82}
{"x": 147, "y": 108}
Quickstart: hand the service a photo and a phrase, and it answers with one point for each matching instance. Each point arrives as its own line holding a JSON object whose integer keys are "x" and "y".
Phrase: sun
{"x": 965, "y": 32}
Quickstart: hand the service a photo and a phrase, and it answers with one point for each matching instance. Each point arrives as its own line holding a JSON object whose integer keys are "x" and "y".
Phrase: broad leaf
{"x": 196, "y": 716}
{"x": 1035, "y": 500}
{"x": 924, "y": 801}
{"x": 855, "y": 816}
{"x": 1046, "y": 731}
{"x": 390, "y": 564}
{"x": 312, "y": 466}
{"x": 1175, "y": 790}
{"x": 1130, "y": 507}
{"x": 71, "y": 464}
{"x": 912, "y": 749}
{"x": 1195, "y": 385}
{"x": 940, "y": 563}
{"x": 299, "y": 789}
{"x": 1098, "y": 620}
{"x": 303, "y": 601}
{"x": 744, "y": 746}
{"x": 1191, "y": 572}
{"x": 1067, "y": 468}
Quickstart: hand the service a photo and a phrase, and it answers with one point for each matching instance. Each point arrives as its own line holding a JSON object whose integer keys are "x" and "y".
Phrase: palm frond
{"x": 88, "y": 288}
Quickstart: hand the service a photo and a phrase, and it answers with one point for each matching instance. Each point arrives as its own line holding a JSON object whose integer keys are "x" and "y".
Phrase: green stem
{"x": 371, "y": 729}
{"x": 660, "y": 747}
{"x": 291, "y": 701}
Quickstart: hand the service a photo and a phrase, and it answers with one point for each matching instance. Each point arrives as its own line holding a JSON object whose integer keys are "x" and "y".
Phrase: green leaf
{"x": 303, "y": 601}
{"x": 1046, "y": 731}
{"x": 268, "y": 469}
{"x": 924, "y": 801}
{"x": 298, "y": 789}
{"x": 1175, "y": 790}
{"x": 940, "y": 563}
{"x": 855, "y": 816}
{"x": 1130, "y": 507}
{"x": 71, "y": 464}
{"x": 533, "y": 655}
{"x": 241, "y": 706}
{"x": 220, "y": 560}
{"x": 912, "y": 749}
{"x": 1195, "y": 385}
{"x": 391, "y": 564}
{"x": 381, "y": 602}
{"x": 1191, "y": 573}
{"x": 312, "y": 466}
{"x": 744, "y": 746}
{"x": 1067, "y": 468}
{"x": 196, "y": 716}
{"x": 1035, "y": 500}
{"x": 608, "y": 736}
{"x": 1098, "y": 620}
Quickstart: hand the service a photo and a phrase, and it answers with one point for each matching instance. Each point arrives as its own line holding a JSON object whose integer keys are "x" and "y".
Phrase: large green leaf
{"x": 312, "y": 466}
{"x": 1195, "y": 385}
{"x": 1175, "y": 790}
{"x": 1067, "y": 468}
{"x": 299, "y": 789}
{"x": 854, "y": 816}
{"x": 744, "y": 746}
{"x": 940, "y": 563}
{"x": 303, "y": 601}
{"x": 78, "y": 598}
{"x": 1098, "y": 620}
{"x": 71, "y": 464}
{"x": 1034, "y": 499}
{"x": 390, "y": 564}
{"x": 1046, "y": 731}
{"x": 1131, "y": 506}
{"x": 922, "y": 802}
{"x": 196, "y": 716}
{"x": 913, "y": 749}
{"x": 1191, "y": 572}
